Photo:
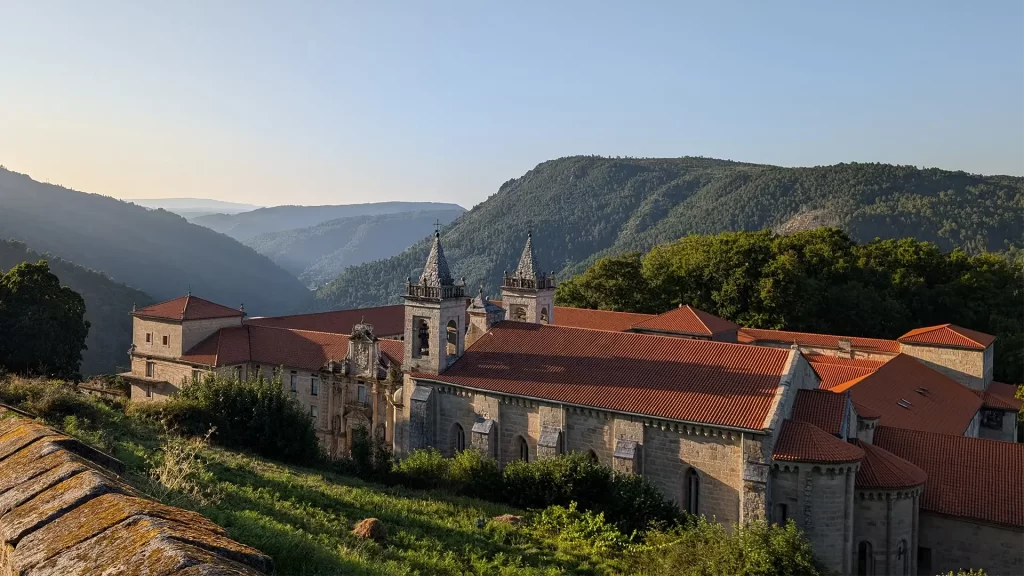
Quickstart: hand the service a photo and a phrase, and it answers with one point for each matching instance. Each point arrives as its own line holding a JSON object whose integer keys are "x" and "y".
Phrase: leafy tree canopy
{"x": 818, "y": 281}
{"x": 42, "y": 324}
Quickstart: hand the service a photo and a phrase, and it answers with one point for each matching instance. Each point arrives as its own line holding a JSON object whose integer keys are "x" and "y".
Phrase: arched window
{"x": 458, "y": 438}
{"x": 593, "y": 456}
{"x": 781, "y": 513}
{"x": 903, "y": 557}
{"x": 865, "y": 559}
{"x": 522, "y": 448}
{"x": 691, "y": 491}
{"x": 453, "y": 338}
{"x": 519, "y": 314}
{"x": 424, "y": 338}
{"x": 543, "y": 315}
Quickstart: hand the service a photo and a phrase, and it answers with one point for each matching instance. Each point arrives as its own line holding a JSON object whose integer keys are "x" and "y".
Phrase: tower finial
{"x": 437, "y": 227}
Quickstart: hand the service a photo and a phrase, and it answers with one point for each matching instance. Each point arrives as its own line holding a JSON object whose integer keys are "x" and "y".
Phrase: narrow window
{"x": 423, "y": 335}
{"x": 781, "y": 513}
{"x": 692, "y": 487}
{"x": 523, "y": 448}
{"x": 294, "y": 382}
{"x": 149, "y": 390}
{"x": 149, "y": 337}
{"x": 458, "y": 438}
{"x": 313, "y": 413}
{"x": 543, "y": 315}
{"x": 150, "y": 369}
{"x": 238, "y": 373}
{"x": 865, "y": 559}
{"x": 361, "y": 394}
{"x": 166, "y": 340}
{"x": 453, "y": 338}
{"x": 196, "y": 375}
{"x": 314, "y": 386}
{"x": 520, "y": 314}
{"x": 593, "y": 457}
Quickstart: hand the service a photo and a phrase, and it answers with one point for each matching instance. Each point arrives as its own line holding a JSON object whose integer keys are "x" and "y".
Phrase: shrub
{"x": 583, "y": 531}
{"x": 476, "y": 475}
{"x": 706, "y": 549}
{"x": 53, "y": 401}
{"x": 423, "y": 469}
{"x": 371, "y": 458}
{"x": 254, "y": 414}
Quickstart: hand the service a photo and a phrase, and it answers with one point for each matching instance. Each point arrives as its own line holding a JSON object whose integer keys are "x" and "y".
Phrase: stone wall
{"x": 194, "y": 331}
{"x": 167, "y": 378}
{"x": 819, "y": 499}
{"x": 968, "y": 367}
{"x": 65, "y": 512}
{"x": 885, "y": 519}
{"x": 954, "y": 543}
{"x": 157, "y": 330}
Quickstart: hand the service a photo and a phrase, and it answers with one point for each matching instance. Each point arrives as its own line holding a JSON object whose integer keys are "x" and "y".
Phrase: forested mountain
{"x": 152, "y": 250}
{"x": 107, "y": 304}
{"x": 583, "y": 207}
{"x": 189, "y": 208}
{"x": 280, "y": 218}
{"x": 320, "y": 253}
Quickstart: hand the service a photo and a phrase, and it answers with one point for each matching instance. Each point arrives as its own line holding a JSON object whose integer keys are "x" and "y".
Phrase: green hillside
{"x": 320, "y": 253}
{"x": 583, "y": 207}
{"x": 152, "y": 250}
{"x": 280, "y": 218}
{"x": 107, "y": 304}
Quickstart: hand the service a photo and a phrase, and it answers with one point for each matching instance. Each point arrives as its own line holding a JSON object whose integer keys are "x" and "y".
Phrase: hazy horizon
{"x": 325, "y": 103}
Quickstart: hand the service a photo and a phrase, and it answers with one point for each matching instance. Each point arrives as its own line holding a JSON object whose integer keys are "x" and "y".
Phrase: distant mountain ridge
{"x": 320, "y": 253}
{"x": 248, "y": 225}
{"x": 107, "y": 306}
{"x": 193, "y": 207}
{"x": 583, "y": 207}
{"x": 151, "y": 250}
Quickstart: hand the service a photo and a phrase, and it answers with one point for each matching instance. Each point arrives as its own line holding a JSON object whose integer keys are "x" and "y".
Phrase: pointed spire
{"x": 528, "y": 267}
{"x": 435, "y": 271}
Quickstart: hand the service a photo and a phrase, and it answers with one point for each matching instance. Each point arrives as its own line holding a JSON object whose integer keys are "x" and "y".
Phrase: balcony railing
{"x": 529, "y": 283}
{"x": 435, "y": 292}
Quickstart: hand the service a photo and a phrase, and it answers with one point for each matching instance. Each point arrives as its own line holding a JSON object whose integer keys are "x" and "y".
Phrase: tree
{"x": 42, "y": 324}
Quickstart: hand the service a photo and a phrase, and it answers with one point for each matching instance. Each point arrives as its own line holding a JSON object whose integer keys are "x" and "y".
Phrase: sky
{"x": 339, "y": 102}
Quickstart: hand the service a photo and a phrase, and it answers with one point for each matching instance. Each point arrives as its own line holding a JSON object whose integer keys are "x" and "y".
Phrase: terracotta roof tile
{"x": 963, "y": 480}
{"x": 883, "y": 470}
{"x": 865, "y": 412}
{"x": 269, "y": 346}
{"x": 386, "y": 320}
{"x": 757, "y": 335}
{"x": 674, "y": 378}
{"x": 909, "y": 394}
{"x": 1006, "y": 393}
{"x": 803, "y": 442}
{"x": 994, "y": 399}
{"x": 395, "y": 349}
{"x": 188, "y": 308}
{"x": 687, "y": 320}
{"x": 822, "y": 409}
{"x": 597, "y": 319}
{"x": 948, "y": 335}
{"x": 848, "y": 362}
{"x": 833, "y": 375}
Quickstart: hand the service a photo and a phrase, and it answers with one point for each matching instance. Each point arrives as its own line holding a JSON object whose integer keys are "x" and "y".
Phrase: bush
{"x": 706, "y": 549}
{"x": 423, "y": 469}
{"x": 53, "y": 401}
{"x": 254, "y": 414}
{"x": 370, "y": 457}
{"x": 473, "y": 474}
{"x": 583, "y": 531}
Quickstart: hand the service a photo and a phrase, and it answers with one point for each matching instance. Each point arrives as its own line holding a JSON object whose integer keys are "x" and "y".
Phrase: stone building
{"x": 893, "y": 456}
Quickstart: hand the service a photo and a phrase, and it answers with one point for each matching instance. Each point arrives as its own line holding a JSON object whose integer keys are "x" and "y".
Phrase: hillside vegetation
{"x": 151, "y": 250}
{"x": 584, "y": 207}
{"x": 320, "y": 253}
{"x": 107, "y": 304}
{"x": 280, "y": 218}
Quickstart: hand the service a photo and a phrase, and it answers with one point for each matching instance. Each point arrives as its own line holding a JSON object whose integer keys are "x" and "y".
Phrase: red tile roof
{"x": 188, "y": 308}
{"x": 395, "y": 349}
{"x": 994, "y": 400}
{"x": 1004, "y": 393}
{"x": 687, "y": 320}
{"x": 597, "y": 319}
{"x": 269, "y": 346}
{"x": 883, "y": 470}
{"x": 803, "y": 442}
{"x": 833, "y": 375}
{"x": 674, "y": 378}
{"x": 756, "y": 335}
{"x": 948, "y": 335}
{"x": 840, "y": 361}
{"x": 822, "y": 409}
{"x": 386, "y": 320}
{"x": 941, "y": 405}
{"x": 865, "y": 412}
{"x": 967, "y": 477}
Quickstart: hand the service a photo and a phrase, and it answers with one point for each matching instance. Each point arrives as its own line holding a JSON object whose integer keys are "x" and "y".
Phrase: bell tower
{"x": 528, "y": 295}
{"x": 435, "y": 316}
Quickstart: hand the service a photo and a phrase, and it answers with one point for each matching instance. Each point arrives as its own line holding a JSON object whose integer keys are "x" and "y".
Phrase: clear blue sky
{"x": 336, "y": 102}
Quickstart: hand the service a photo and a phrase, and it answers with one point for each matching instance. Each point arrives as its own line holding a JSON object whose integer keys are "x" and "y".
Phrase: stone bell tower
{"x": 528, "y": 295}
{"x": 435, "y": 316}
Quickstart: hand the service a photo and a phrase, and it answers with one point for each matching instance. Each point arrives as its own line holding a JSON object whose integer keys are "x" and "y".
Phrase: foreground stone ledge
{"x": 64, "y": 511}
